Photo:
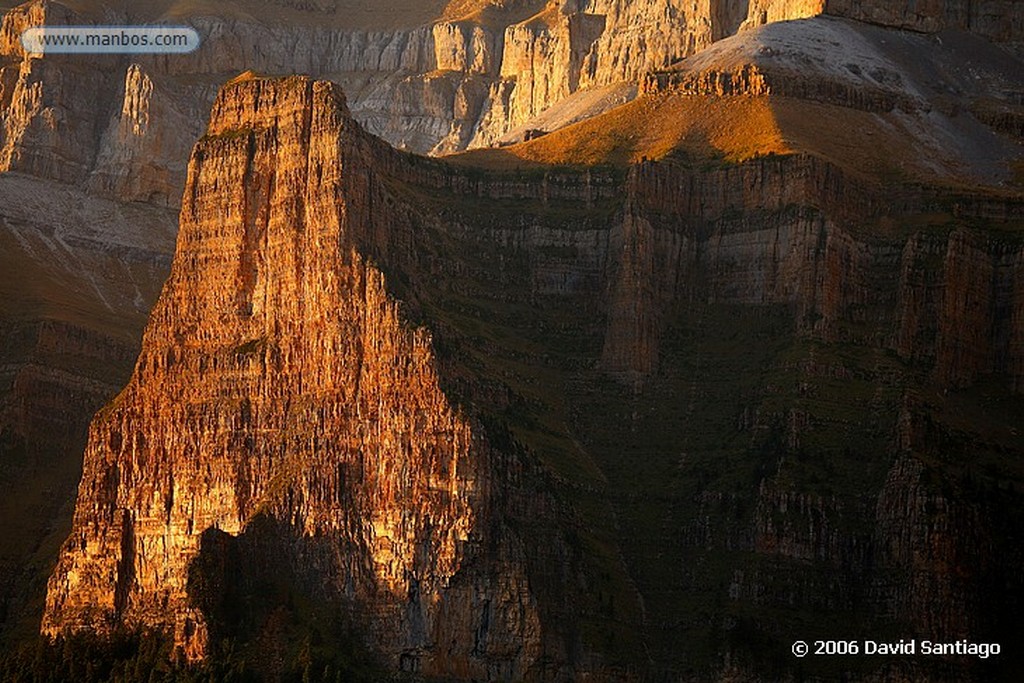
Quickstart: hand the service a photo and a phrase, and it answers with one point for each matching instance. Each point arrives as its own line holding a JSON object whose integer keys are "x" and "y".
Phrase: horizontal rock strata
{"x": 286, "y": 416}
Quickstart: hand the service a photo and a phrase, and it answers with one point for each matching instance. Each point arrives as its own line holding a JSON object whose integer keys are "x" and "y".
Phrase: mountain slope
{"x": 941, "y": 108}
{"x": 750, "y": 381}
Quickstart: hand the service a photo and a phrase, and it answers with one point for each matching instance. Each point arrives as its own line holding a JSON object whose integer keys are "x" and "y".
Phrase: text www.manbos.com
{"x": 109, "y": 40}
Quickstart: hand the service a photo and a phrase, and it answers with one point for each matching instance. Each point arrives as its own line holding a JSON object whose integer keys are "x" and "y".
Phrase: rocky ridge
{"x": 461, "y": 81}
{"x": 935, "y": 109}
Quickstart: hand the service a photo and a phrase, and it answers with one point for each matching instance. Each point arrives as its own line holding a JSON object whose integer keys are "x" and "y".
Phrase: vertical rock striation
{"x": 996, "y": 20}
{"x": 452, "y": 83}
{"x": 766, "y": 320}
{"x": 48, "y": 106}
{"x": 278, "y": 382}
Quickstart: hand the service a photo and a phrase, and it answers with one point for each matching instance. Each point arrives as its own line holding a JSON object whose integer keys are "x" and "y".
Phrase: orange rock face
{"x": 279, "y": 381}
{"x": 288, "y": 426}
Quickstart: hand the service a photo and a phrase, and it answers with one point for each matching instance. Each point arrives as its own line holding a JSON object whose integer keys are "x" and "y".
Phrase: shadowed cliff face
{"x": 623, "y": 424}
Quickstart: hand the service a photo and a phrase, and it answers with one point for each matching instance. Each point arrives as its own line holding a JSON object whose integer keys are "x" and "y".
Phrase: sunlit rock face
{"x": 281, "y": 398}
{"x": 286, "y": 418}
{"x": 451, "y": 83}
{"x": 48, "y": 116}
{"x": 113, "y": 127}
{"x": 686, "y": 351}
{"x": 762, "y": 12}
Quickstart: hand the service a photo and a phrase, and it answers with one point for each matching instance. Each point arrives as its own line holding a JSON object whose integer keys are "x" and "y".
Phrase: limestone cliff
{"x": 702, "y": 401}
{"x": 997, "y": 20}
{"x": 460, "y": 79}
{"x": 311, "y": 404}
{"x": 674, "y": 403}
{"x": 692, "y": 269}
{"x": 78, "y": 275}
{"x": 49, "y": 108}
{"x": 762, "y": 12}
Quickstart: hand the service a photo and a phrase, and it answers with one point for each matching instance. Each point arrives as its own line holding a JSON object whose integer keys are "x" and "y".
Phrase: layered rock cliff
{"x": 698, "y": 401}
{"x": 78, "y": 277}
{"x": 680, "y": 404}
{"x": 994, "y": 19}
{"x": 312, "y": 406}
{"x": 465, "y": 79}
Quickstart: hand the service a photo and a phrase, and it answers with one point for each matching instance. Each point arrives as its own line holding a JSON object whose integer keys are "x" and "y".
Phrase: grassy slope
{"x": 886, "y": 147}
{"x": 653, "y": 127}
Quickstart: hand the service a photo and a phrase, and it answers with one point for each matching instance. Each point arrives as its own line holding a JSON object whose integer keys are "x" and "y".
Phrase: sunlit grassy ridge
{"x": 709, "y": 129}
{"x": 652, "y": 127}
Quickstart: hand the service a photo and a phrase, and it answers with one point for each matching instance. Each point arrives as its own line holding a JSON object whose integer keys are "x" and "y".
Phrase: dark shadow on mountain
{"x": 262, "y": 610}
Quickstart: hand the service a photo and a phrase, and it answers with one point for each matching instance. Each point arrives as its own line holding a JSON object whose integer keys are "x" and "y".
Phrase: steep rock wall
{"x": 50, "y": 112}
{"x": 767, "y": 11}
{"x": 78, "y": 278}
{"x": 689, "y": 267}
{"x": 312, "y": 405}
{"x": 284, "y": 417}
{"x": 996, "y": 20}
{"x": 956, "y": 292}
{"x": 441, "y": 87}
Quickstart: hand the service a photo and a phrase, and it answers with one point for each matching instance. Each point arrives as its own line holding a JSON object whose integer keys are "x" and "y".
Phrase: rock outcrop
{"x": 996, "y": 20}
{"x": 79, "y": 276}
{"x": 453, "y": 83}
{"x": 50, "y": 117}
{"x": 761, "y": 12}
{"x": 286, "y": 417}
{"x": 312, "y": 404}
